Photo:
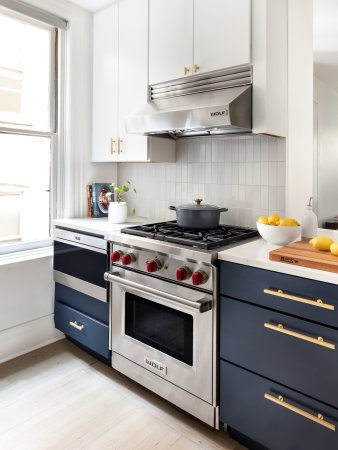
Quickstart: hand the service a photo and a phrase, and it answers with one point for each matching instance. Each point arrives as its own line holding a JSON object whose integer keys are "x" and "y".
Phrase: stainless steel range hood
{"x": 215, "y": 103}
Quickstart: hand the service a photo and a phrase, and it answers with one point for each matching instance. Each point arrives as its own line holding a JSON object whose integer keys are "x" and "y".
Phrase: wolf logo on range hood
{"x": 209, "y": 104}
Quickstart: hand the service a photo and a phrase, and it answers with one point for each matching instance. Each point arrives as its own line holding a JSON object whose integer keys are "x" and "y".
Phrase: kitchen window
{"x": 30, "y": 46}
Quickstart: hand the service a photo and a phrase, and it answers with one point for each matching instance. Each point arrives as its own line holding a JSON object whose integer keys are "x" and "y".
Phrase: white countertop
{"x": 256, "y": 254}
{"x": 99, "y": 225}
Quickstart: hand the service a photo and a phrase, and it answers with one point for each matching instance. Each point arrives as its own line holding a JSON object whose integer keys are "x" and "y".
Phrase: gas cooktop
{"x": 204, "y": 239}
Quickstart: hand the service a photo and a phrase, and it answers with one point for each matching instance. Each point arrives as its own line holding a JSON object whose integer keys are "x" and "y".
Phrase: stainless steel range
{"x": 163, "y": 291}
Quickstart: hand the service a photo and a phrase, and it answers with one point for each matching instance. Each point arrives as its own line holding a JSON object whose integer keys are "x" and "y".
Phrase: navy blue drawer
{"x": 251, "y": 337}
{"x": 248, "y": 283}
{"x": 84, "y": 329}
{"x": 246, "y": 404}
{"x": 84, "y": 303}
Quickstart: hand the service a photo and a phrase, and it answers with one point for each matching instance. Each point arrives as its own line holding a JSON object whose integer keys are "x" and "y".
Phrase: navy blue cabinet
{"x": 279, "y": 362}
{"x": 84, "y": 329}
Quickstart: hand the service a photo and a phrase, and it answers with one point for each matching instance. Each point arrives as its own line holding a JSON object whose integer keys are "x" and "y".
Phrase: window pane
{"x": 25, "y": 74}
{"x": 24, "y": 187}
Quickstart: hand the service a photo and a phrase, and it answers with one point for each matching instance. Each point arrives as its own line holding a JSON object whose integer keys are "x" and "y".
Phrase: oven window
{"x": 160, "y": 327}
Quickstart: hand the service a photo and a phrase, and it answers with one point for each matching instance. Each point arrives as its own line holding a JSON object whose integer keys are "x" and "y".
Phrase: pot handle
{"x": 223, "y": 209}
{"x": 173, "y": 208}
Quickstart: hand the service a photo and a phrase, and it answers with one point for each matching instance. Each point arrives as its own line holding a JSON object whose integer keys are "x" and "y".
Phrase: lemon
{"x": 288, "y": 223}
{"x": 263, "y": 220}
{"x": 273, "y": 219}
{"x": 293, "y": 222}
{"x": 334, "y": 248}
{"x": 321, "y": 243}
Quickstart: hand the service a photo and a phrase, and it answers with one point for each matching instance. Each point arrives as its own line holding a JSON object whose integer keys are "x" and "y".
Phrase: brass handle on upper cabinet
{"x": 196, "y": 68}
{"x": 76, "y": 325}
{"x": 319, "y": 303}
{"x": 318, "y": 341}
{"x": 186, "y": 70}
{"x": 112, "y": 142}
{"x": 318, "y": 419}
{"x": 119, "y": 145}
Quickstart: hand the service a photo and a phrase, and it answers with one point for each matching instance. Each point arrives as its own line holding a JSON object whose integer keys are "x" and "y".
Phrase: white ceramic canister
{"x": 117, "y": 212}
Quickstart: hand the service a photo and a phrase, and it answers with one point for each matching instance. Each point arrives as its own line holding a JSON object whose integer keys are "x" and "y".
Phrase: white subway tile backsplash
{"x": 243, "y": 173}
{"x": 249, "y": 149}
{"x": 241, "y": 150}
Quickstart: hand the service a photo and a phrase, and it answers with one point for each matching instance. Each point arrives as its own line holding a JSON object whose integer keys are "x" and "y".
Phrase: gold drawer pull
{"x": 196, "y": 67}
{"x": 112, "y": 142}
{"x": 186, "y": 70}
{"x": 76, "y": 325}
{"x": 119, "y": 145}
{"x": 319, "y": 303}
{"x": 318, "y": 341}
{"x": 318, "y": 419}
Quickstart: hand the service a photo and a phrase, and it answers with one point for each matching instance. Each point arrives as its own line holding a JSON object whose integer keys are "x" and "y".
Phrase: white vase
{"x": 117, "y": 212}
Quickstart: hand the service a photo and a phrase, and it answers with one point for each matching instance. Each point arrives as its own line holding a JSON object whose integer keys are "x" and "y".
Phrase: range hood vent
{"x": 208, "y": 104}
{"x": 202, "y": 83}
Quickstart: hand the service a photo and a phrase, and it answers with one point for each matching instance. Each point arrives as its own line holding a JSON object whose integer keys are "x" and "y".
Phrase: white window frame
{"x": 57, "y": 137}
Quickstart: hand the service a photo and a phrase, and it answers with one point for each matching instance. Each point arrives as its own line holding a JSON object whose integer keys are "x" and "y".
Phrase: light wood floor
{"x": 59, "y": 397}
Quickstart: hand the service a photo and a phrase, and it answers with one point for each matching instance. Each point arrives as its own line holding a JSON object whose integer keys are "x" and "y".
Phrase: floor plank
{"x": 59, "y": 397}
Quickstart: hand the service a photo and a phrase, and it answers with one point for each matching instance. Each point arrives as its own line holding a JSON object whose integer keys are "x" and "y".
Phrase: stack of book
{"x": 97, "y": 199}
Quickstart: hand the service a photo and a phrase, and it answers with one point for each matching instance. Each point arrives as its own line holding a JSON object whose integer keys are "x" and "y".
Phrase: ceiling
{"x": 325, "y": 41}
{"x": 92, "y": 5}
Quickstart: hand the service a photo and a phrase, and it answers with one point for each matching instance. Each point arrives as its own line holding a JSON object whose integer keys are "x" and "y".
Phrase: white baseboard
{"x": 28, "y": 336}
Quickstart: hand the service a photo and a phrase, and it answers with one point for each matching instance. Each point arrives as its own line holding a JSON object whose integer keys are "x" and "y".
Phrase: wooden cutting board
{"x": 303, "y": 254}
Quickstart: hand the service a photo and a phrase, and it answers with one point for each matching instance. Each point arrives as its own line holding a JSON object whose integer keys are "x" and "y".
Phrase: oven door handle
{"x": 201, "y": 306}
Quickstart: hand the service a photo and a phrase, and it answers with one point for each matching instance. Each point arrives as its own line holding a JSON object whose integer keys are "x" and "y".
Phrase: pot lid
{"x": 197, "y": 206}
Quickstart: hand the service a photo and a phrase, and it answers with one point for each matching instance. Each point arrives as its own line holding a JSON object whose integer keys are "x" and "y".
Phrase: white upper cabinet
{"x": 222, "y": 34}
{"x": 188, "y": 37}
{"x": 170, "y": 39}
{"x": 105, "y": 85}
{"x": 120, "y": 84}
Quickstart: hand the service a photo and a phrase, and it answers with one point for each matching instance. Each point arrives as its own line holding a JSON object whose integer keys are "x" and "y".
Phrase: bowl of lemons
{"x": 278, "y": 231}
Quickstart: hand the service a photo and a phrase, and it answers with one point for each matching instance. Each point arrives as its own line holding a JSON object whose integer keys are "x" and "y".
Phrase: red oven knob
{"x": 199, "y": 277}
{"x": 116, "y": 256}
{"x": 183, "y": 273}
{"x": 153, "y": 265}
{"x": 128, "y": 259}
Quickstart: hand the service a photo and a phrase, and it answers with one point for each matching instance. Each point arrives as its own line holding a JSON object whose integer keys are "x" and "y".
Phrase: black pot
{"x": 198, "y": 216}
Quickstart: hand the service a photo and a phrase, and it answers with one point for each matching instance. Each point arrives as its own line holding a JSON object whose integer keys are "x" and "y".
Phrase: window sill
{"x": 26, "y": 255}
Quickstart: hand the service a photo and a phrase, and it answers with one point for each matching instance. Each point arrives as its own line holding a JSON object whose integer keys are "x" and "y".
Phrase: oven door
{"x": 164, "y": 328}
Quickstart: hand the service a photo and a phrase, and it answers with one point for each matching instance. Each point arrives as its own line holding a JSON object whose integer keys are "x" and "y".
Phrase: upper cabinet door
{"x": 170, "y": 39}
{"x": 222, "y": 34}
{"x": 105, "y": 85}
{"x": 133, "y": 75}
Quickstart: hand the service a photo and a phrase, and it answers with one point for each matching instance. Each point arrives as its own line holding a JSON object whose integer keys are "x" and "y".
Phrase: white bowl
{"x": 278, "y": 235}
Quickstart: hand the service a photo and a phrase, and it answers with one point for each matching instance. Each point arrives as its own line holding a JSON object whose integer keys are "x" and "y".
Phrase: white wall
{"x": 326, "y": 161}
{"x": 246, "y": 174}
{"x": 299, "y": 159}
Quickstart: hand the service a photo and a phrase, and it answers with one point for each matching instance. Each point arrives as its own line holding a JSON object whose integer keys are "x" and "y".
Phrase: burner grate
{"x": 204, "y": 239}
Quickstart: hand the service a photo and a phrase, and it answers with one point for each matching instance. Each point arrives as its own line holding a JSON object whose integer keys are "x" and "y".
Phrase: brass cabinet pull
{"x": 76, "y": 325}
{"x": 186, "y": 70}
{"x": 319, "y": 303}
{"x": 318, "y": 341}
{"x": 318, "y": 419}
{"x": 112, "y": 142}
{"x": 119, "y": 145}
{"x": 196, "y": 67}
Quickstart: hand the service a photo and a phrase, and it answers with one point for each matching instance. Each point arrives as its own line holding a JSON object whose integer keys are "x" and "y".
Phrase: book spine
{"x": 89, "y": 212}
{"x": 91, "y": 200}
